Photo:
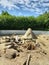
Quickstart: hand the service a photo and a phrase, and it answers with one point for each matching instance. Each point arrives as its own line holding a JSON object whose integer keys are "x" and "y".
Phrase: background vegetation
{"x": 9, "y": 22}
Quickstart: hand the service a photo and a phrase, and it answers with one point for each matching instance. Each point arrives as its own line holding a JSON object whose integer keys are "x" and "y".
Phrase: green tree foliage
{"x": 5, "y": 13}
{"x": 9, "y": 22}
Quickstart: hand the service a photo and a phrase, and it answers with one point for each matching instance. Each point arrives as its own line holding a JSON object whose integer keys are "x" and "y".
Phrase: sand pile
{"x": 29, "y": 34}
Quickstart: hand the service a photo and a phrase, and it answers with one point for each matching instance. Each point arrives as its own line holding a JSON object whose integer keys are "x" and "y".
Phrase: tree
{"x": 5, "y": 13}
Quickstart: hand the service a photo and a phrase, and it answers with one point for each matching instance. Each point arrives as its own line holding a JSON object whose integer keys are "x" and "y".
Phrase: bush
{"x": 9, "y": 22}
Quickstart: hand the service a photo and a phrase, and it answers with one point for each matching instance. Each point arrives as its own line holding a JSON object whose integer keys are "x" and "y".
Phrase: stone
{"x": 10, "y": 54}
{"x": 28, "y": 59}
{"x": 9, "y": 45}
{"x": 29, "y": 35}
{"x": 7, "y": 37}
{"x": 3, "y": 37}
{"x": 17, "y": 39}
{"x": 2, "y": 40}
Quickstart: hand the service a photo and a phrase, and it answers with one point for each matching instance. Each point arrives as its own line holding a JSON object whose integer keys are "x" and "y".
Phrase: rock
{"x": 12, "y": 38}
{"x": 9, "y": 45}
{"x": 29, "y": 35}
{"x": 10, "y": 54}
{"x": 7, "y": 40}
{"x": 3, "y": 37}
{"x": 7, "y": 37}
{"x": 16, "y": 39}
{"x": 2, "y": 40}
{"x": 28, "y": 59}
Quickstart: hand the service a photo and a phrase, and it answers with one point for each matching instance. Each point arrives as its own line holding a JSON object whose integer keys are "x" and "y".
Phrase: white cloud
{"x": 47, "y": 4}
{"x": 8, "y": 4}
{"x": 29, "y": 5}
{"x": 20, "y": 14}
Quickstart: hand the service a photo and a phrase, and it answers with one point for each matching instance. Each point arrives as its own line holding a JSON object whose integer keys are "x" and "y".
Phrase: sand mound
{"x": 10, "y": 53}
{"x": 29, "y": 34}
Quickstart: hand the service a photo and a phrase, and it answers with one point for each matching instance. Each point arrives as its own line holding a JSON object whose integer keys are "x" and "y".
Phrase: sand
{"x": 28, "y": 52}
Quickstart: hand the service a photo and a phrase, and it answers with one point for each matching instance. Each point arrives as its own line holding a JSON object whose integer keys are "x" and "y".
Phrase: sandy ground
{"x": 38, "y": 54}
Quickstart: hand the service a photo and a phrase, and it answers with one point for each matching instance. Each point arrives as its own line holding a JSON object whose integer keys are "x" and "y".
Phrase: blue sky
{"x": 24, "y": 7}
